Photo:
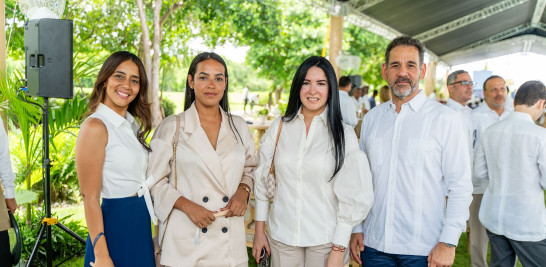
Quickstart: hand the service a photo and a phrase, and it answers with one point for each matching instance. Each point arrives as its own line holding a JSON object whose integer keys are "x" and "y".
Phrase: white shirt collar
{"x": 415, "y": 103}
{"x": 323, "y": 116}
{"x": 522, "y": 116}
{"x": 116, "y": 119}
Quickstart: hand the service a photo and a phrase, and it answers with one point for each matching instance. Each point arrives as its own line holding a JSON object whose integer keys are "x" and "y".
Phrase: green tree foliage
{"x": 370, "y": 48}
{"x": 289, "y": 33}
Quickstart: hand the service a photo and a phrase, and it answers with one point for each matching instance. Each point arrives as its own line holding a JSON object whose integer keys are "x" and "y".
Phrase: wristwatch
{"x": 449, "y": 245}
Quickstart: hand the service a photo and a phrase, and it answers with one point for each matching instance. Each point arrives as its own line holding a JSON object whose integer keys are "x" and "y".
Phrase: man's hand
{"x": 11, "y": 204}
{"x": 441, "y": 256}
{"x": 237, "y": 204}
{"x": 356, "y": 246}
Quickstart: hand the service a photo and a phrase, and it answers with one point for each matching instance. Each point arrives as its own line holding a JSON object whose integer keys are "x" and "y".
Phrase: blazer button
{"x": 225, "y": 199}
{"x": 224, "y": 229}
{"x": 204, "y": 230}
{"x": 205, "y": 199}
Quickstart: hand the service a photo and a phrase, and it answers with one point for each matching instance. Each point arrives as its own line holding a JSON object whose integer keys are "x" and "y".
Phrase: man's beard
{"x": 401, "y": 95}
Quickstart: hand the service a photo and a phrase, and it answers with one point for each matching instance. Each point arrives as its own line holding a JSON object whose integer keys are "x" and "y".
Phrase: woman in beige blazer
{"x": 214, "y": 174}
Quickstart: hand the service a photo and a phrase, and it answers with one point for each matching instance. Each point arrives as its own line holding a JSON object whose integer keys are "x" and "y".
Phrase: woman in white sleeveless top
{"x": 111, "y": 160}
{"x": 212, "y": 174}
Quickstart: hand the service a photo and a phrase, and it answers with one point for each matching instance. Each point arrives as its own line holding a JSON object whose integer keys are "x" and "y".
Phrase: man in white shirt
{"x": 7, "y": 197}
{"x": 245, "y": 98}
{"x": 364, "y": 98}
{"x": 513, "y": 209}
{"x": 460, "y": 87}
{"x": 492, "y": 110}
{"x": 253, "y": 98}
{"x": 418, "y": 155}
{"x": 347, "y": 106}
{"x": 356, "y": 98}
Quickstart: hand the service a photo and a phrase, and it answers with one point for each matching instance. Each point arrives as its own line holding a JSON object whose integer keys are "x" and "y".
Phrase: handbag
{"x": 271, "y": 181}
{"x": 15, "y": 239}
{"x": 157, "y": 243}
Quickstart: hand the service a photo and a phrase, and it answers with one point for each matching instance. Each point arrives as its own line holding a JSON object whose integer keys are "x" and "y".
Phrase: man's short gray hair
{"x": 452, "y": 76}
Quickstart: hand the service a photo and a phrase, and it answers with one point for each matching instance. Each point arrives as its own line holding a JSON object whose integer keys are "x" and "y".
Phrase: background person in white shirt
{"x": 323, "y": 179}
{"x": 356, "y": 95}
{"x": 460, "y": 87}
{"x": 491, "y": 110}
{"x": 253, "y": 98}
{"x": 245, "y": 98}
{"x": 346, "y": 105}
{"x": 8, "y": 193}
{"x": 512, "y": 155}
{"x": 418, "y": 155}
{"x": 364, "y": 98}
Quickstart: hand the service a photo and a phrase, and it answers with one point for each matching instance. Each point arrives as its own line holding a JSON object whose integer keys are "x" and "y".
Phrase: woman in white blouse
{"x": 200, "y": 198}
{"x": 111, "y": 160}
{"x": 324, "y": 185}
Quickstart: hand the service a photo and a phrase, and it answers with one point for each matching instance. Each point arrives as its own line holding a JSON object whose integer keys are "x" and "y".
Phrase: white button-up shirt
{"x": 362, "y": 101}
{"x": 347, "y": 106}
{"x": 6, "y": 173}
{"x": 483, "y": 117}
{"x": 365, "y": 101}
{"x": 465, "y": 113}
{"x": 417, "y": 157}
{"x": 309, "y": 209}
{"x": 513, "y": 203}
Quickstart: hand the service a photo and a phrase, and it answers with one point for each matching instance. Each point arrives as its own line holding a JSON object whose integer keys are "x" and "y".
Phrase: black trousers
{"x": 6, "y": 259}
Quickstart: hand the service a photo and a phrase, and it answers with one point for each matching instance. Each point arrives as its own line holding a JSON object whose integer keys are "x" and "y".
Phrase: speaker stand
{"x": 47, "y": 221}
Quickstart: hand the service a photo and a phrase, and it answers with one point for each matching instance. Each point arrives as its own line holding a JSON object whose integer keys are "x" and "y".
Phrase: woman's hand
{"x": 260, "y": 241}
{"x": 335, "y": 259}
{"x": 105, "y": 261}
{"x": 238, "y": 203}
{"x": 200, "y": 216}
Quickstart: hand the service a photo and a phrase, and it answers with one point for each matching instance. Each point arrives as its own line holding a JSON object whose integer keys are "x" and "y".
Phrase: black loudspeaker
{"x": 48, "y": 58}
{"x": 356, "y": 80}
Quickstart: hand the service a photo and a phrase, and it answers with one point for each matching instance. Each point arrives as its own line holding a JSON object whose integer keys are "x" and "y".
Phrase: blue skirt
{"x": 128, "y": 232}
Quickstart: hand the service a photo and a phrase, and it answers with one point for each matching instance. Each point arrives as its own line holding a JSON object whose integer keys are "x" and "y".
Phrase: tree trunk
{"x": 157, "y": 115}
{"x": 278, "y": 92}
{"x": 152, "y": 63}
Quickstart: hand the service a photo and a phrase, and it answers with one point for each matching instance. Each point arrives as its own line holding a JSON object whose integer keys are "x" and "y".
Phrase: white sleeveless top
{"x": 125, "y": 160}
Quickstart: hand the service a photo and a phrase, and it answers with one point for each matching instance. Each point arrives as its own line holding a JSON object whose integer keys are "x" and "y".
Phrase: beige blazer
{"x": 207, "y": 177}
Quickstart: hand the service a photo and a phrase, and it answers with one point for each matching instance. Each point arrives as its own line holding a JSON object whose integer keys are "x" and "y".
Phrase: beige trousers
{"x": 283, "y": 255}
{"x": 4, "y": 217}
{"x": 478, "y": 235}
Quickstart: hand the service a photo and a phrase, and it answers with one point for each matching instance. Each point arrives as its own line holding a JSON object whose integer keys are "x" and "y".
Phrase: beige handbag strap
{"x": 272, "y": 169}
{"x": 175, "y": 144}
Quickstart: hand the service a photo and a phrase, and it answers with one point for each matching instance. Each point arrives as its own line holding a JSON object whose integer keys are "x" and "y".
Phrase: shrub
{"x": 168, "y": 106}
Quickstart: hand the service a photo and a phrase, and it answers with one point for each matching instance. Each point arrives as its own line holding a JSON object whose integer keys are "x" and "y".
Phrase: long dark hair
{"x": 335, "y": 122}
{"x": 139, "y": 107}
{"x": 190, "y": 94}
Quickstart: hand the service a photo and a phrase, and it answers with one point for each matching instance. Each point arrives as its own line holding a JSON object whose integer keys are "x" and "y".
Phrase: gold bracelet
{"x": 245, "y": 187}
